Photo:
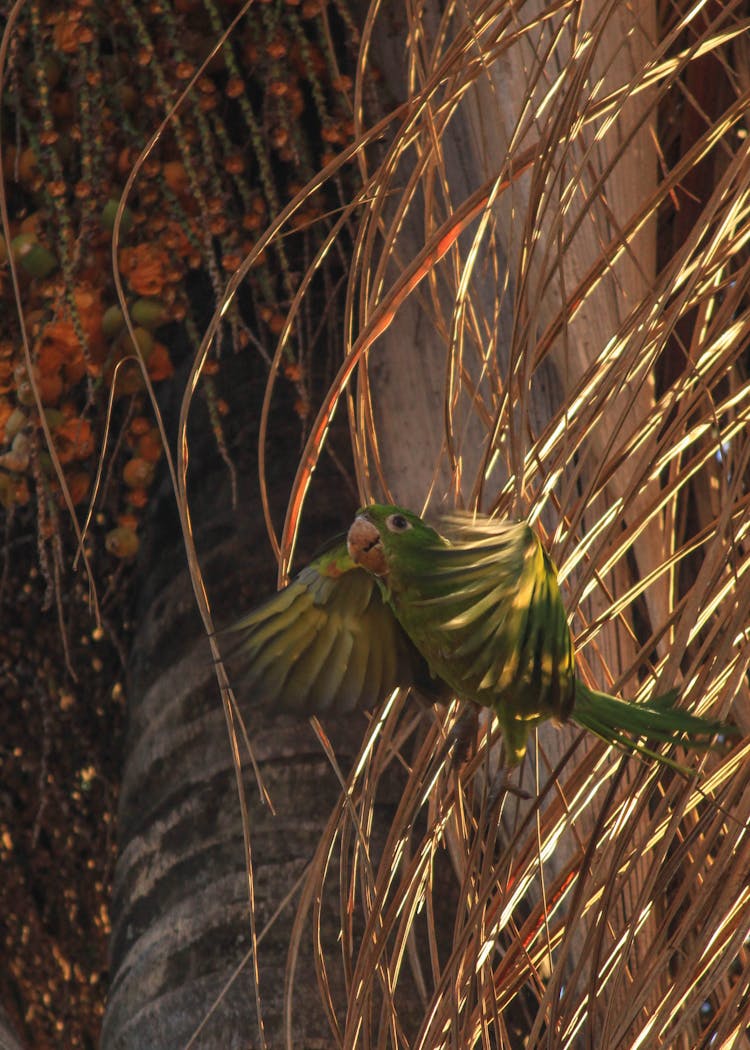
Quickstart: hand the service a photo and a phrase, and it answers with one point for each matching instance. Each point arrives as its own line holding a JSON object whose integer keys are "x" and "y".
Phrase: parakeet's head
{"x": 383, "y": 536}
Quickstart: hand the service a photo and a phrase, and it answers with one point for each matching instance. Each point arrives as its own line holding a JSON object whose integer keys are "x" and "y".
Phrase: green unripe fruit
{"x": 113, "y": 321}
{"x": 32, "y": 256}
{"x": 142, "y": 345}
{"x": 109, "y": 212}
{"x": 150, "y": 313}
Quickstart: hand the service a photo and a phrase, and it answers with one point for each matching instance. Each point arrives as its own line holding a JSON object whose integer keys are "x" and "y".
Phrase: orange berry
{"x": 50, "y": 388}
{"x": 149, "y": 447}
{"x": 160, "y": 363}
{"x": 122, "y": 542}
{"x": 74, "y": 440}
{"x": 79, "y": 485}
{"x": 138, "y": 473}
{"x": 235, "y": 87}
{"x": 139, "y": 426}
{"x": 234, "y": 165}
{"x": 175, "y": 176}
{"x": 138, "y": 498}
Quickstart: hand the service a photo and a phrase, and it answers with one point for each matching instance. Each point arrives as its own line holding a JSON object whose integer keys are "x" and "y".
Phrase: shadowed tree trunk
{"x": 180, "y": 907}
{"x": 8, "y": 1038}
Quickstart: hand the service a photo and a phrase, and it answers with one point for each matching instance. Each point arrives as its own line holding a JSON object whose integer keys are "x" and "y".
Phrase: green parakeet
{"x": 473, "y": 610}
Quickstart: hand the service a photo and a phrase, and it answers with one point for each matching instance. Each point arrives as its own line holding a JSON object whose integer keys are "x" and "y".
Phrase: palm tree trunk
{"x": 180, "y": 908}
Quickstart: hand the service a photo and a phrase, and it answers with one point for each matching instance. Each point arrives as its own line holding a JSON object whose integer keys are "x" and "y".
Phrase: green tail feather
{"x": 624, "y": 723}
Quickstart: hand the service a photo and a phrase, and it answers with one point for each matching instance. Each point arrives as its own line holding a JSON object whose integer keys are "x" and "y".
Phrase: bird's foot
{"x": 501, "y": 785}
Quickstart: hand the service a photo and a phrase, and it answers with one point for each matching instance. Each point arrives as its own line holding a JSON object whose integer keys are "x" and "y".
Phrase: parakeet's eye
{"x": 397, "y": 523}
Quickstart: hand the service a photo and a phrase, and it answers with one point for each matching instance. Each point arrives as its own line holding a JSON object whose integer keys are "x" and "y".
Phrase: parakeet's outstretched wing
{"x": 325, "y": 643}
{"x": 491, "y": 600}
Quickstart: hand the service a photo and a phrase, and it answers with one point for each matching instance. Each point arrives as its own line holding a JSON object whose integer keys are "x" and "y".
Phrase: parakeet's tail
{"x": 626, "y": 724}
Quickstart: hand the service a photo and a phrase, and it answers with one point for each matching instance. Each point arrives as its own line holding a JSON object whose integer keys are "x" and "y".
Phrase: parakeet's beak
{"x": 365, "y": 546}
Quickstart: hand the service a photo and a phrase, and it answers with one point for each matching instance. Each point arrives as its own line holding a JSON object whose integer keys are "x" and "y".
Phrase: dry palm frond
{"x": 548, "y": 316}
{"x": 538, "y": 330}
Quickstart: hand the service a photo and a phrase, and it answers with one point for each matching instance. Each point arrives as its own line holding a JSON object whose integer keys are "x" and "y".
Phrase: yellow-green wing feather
{"x": 326, "y": 643}
{"x": 488, "y": 616}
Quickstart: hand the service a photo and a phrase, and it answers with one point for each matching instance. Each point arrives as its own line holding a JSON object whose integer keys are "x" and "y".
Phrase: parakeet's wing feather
{"x": 325, "y": 643}
{"x": 481, "y": 602}
{"x": 495, "y": 595}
